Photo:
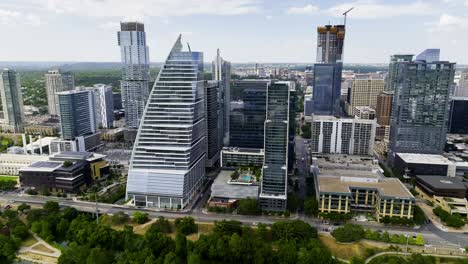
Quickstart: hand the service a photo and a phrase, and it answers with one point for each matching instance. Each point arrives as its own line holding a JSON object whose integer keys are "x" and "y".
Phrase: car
{"x": 7, "y": 207}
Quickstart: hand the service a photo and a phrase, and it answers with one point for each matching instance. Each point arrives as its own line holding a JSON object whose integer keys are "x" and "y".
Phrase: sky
{"x": 245, "y": 30}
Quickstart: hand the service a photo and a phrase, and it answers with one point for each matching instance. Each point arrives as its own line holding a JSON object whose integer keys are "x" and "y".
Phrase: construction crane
{"x": 345, "y": 14}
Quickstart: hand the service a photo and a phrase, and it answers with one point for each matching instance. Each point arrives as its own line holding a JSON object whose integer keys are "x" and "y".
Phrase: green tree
{"x": 293, "y": 230}
{"x": 161, "y": 225}
{"x": 419, "y": 217}
{"x": 120, "y": 218}
{"x": 20, "y": 231}
{"x": 311, "y": 206}
{"x": 186, "y": 225}
{"x": 99, "y": 256}
{"x": 51, "y": 207}
{"x": 23, "y": 207}
{"x": 249, "y": 206}
{"x": 348, "y": 233}
{"x": 419, "y": 240}
{"x": 356, "y": 260}
{"x": 140, "y": 218}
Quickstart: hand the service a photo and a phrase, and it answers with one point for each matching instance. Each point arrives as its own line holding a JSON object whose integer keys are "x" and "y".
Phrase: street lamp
{"x": 407, "y": 239}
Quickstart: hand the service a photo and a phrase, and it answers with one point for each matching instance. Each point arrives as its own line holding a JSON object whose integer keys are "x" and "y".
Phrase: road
{"x": 431, "y": 234}
{"x": 302, "y": 166}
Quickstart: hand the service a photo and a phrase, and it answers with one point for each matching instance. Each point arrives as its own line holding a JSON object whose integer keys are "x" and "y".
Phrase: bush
{"x": 120, "y": 218}
{"x": 293, "y": 230}
{"x": 67, "y": 164}
{"x": 186, "y": 225}
{"x": 348, "y": 233}
{"x": 31, "y": 192}
{"x": 249, "y": 206}
{"x": 419, "y": 218}
{"x": 51, "y": 207}
{"x": 454, "y": 220}
{"x": 23, "y": 207}
{"x": 334, "y": 216}
{"x": 161, "y": 225}
{"x": 140, "y": 218}
{"x": 7, "y": 185}
{"x": 219, "y": 209}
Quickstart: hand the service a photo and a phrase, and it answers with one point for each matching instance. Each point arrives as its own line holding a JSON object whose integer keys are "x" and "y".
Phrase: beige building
{"x": 364, "y": 92}
{"x": 11, "y": 163}
{"x": 346, "y": 184}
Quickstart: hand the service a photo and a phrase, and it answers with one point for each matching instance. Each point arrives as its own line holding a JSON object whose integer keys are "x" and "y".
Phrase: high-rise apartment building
{"x": 461, "y": 90}
{"x": 103, "y": 98}
{"x": 393, "y": 69}
{"x": 330, "y": 41}
{"x": 273, "y": 193}
{"x": 247, "y": 120}
{"x": 221, "y": 72}
{"x": 458, "y": 115}
{"x": 384, "y": 114}
{"x": 135, "y": 71}
{"x": 335, "y": 135}
{"x": 212, "y": 113}
{"x": 364, "y": 91}
{"x": 77, "y": 113}
{"x": 12, "y": 100}
{"x": 328, "y": 70}
{"x": 167, "y": 165}
{"x": 429, "y": 55}
{"x": 420, "y": 107}
{"x": 57, "y": 81}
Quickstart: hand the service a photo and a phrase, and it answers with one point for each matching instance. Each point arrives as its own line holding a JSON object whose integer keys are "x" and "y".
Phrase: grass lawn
{"x": 346, "y": 251}
{"x": 8, "y": 178}
{"x": 29, "y": 242}
{"x": 42, "y": 248}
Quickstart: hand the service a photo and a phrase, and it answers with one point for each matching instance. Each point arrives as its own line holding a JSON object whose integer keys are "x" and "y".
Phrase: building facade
{"x": 221, "y": 72}
{"x": 330, "y": 42}
{"x": 393, "y": 69}
{"x": 135, "y": 71}
{"x": 420, "y": 107}
{"x": 461, "y": 90}
{"x": 167, "y": 165}
{"x": 364, "y": 91}
{"x": 274, "y": 185}
{"x": 352, "y": 136}
{"x": 233, "y": 157}
{"x": 327, "y": 89}
{"x": 247, "y": 120}
{"x": 12, "y": 100}
{"x": 458, "y": 123}
{"x": 57, "y": 81}
{"x": 104, "y": 104}
{"x": 77, "y": 114}
{"x": 212, "y": 113}
{"x": 384, "y": 114}
{"x": 429, "y": 55}
{"x": 10, "y": 164}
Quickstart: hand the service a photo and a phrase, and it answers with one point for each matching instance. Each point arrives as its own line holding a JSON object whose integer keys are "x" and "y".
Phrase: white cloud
{"x": 305, "y": 10}
{"x": 448, "y": 22}
{"x": 268, "y": 17}
{"x": 9, "y": 17}
{"x": 110, "y": 26}
{"x": 151, "y": 8}
{"x": 368, "y": 9}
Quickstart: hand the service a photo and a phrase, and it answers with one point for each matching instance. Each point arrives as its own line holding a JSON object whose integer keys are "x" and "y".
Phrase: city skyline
{"x": 244, "y": 28}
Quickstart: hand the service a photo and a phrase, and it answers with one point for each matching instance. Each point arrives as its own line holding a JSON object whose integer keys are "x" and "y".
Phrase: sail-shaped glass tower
{"x": 167, "y": 165}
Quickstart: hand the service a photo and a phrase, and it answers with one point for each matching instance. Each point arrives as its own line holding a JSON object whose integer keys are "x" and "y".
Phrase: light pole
{"x": 407, "y": 238}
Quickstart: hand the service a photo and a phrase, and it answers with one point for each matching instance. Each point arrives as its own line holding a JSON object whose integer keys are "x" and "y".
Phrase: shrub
{"x": 31, "y": 192}
{"x": 140, "y": 218}
{"x": 161, "y": 225}
{"x": 120, "y": 218}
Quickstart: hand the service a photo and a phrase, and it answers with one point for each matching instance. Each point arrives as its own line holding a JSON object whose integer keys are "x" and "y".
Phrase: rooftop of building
{"x": 75, "y": 155}
{"x": 243, "y": 150}
{"x": 340, "y": 173}
{"x": 442, "y": 182}
{"x": 424, "y": 158}
{"x": 341, "y": 119}
{"x": 45, "y": 166}
{"x": 365, "y": 108}
{"x": 221, "y": 188}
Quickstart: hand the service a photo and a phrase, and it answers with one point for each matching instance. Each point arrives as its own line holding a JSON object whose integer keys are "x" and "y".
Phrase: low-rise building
{"x": 449, "y": 193}
{"x": 98, "y": 167}
{"x": 346, "y": 184}
{"x": 234, "y": 157}
{"x": 10, "y": 164}
{"x": 226, "y": 193}
{"x": 411, "y": 164}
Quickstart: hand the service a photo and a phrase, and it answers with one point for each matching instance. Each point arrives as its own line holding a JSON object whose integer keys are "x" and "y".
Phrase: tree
{"x": 293, "y": 230}
{"x": 356, "y": 260}
{"x": 181, "y": 246}
{"x": 306, "y": 131}
{"x": 228, "y": 228}
{"x": 161, "y": 225}
{"x": 67, "y": 164}
{"x": 348, "y": 233}
{"x": 120, "y": 218}
{"x": 23, "y": 207}
{"x": 51, "y": 207}
{"x": 20, "y": 231}
{"x": 186, "y": 225}
{"x": 249, "y": 206}
{"x": 99, "y": 256}
{"x": 140, "y": 218}
{"x": 419, "y": 217}
{"x": 311, "y": 206}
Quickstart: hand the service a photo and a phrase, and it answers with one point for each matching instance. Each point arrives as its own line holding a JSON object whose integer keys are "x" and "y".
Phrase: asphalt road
{"x": 302, "y": 165}
{"x": 431, "y": 234}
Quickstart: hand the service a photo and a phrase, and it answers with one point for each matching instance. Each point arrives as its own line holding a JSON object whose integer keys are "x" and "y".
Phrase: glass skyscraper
{"x": 429, "y": 55}
{"x": 212, "y": 113}
{"x": 393, "y": 69}
{"x": 273, "y": 194}
{"x": 221, "y": 72}
{"x": 12, "y": 100}
{"x": 135, "y": 71}
{"x": 458, "y": 115}
{"x": 57, "y": 81}
{"x": 167, "y": 165}
{"x": 77, "y": 113}
{"x": 420, "y": 107}
{"x": 247, "y": 121}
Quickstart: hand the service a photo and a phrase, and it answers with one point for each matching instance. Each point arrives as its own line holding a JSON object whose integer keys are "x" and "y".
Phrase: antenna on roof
{"x": 345, "y": 14}
{"x": 188, "y": 45}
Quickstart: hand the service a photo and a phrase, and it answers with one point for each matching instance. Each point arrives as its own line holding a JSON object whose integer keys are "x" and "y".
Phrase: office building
{"x": 77, "y": 114}
{"x": 213, "y": 133}
{"x": 364, "y": 112}
{"x": 308, "y": 104}
{"x": 221, "y": 72}
{"x": 226, "y": 193}
{"x": 167, "y": 165}
{"x": 336, "y": 135}
{"x": 348, "y": 184}
{"x": 393, "y": 69}
{"x": 458, "y": 122}
{"x": 383, "y": 114}
{"x": 247, "y": 120}
{"x": 10, "y": 164}
{"x": 327, "y": 89}
{"x": 117, "y": 98}
{"x": 57, "y": 81}
{"x": 12, "y": 100}
{"x": 330, "y": 42}
{"x": 274, "y": 185}
{"x": 461, "y": 90}
{"x": 104, "y": 104}
{"x": 429, "y": 55}
{"x": 412, "y": 164}
{"x": 364, "y": 91}
{"x": 420, "y": 107}
{"x": 135, "y": 71}
{"x": 234, "y": 157}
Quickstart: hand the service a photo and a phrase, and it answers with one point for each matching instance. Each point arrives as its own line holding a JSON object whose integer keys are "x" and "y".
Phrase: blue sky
{"x": 244, "y": 30}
